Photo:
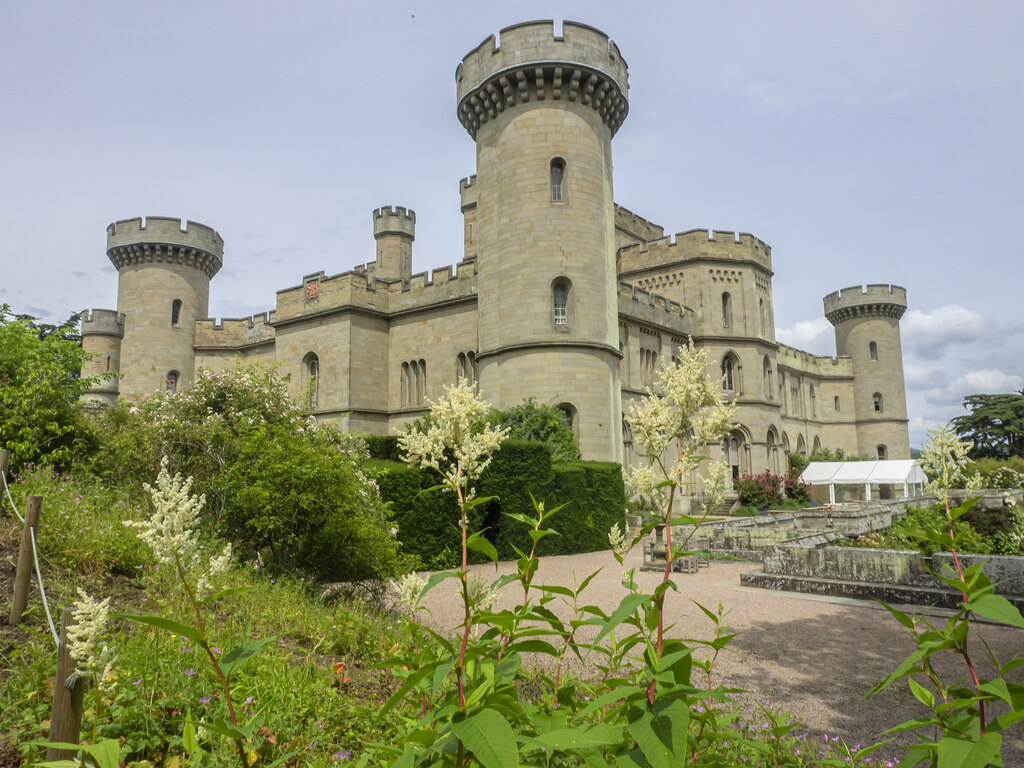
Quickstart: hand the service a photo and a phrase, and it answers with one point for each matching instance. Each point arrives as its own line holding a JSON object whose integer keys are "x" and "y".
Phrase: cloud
{"x": 919, "y": 377}
{"x": 815, "y": 336}
{"x": 974, "y": 382}
{"x": 928, "y": 334}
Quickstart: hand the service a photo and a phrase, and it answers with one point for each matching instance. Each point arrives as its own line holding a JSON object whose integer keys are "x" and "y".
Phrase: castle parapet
{"x": 162, "y": 239}
{"x": 394, "y": 220}
{"x": 651, "y": 308}
{"x": 531, "y": 62}
{"x": 103, "y": 322}
{"x": 817, "y": 365}
{"x": 637, "y": 226}
{"x": 696, "y": 244}
{"x": 469, "y": 192}
{"x": 858, "y": 301}
{"x": 235, "y": 333}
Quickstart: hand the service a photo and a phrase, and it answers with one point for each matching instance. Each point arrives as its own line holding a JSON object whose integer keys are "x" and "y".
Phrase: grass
{"x": 314, "y": 691}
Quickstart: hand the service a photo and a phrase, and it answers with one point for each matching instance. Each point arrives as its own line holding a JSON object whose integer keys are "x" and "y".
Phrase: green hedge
{"x": 427, "y": 521}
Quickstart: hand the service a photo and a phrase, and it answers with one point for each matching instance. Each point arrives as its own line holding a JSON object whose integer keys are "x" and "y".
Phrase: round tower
{"x": 394, "y": 229}
{"x": 102, "y": 332}
{"x": 867, "y": 326}
{"x": 543, "y": 109}
{"x": 164, "y": 268}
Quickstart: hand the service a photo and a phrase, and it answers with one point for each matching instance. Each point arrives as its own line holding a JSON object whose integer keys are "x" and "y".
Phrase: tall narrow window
{"x": 769, "y": 389}
{"x": 876, "y": 401}
{"x": 814, "y": 403}
{"x": 311, "y": 374}
{"x": 561, "y": 300}
{"x": 421, "y": 382}
{"x": 882, "y": 453}
{"x": 728, "y": 374}
{"x": 873, "y": 350}
{"x": 172, "y": 381}
{"x": 175, "y": 311}
{"x": 726, "y": 310}
{"x": 557, "y": 179}
{"x": 406, "y": 384}
{"x": 837, "y": 403}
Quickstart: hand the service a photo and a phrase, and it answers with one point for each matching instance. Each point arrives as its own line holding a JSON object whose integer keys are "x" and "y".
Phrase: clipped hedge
{"x": 427, "y": 522}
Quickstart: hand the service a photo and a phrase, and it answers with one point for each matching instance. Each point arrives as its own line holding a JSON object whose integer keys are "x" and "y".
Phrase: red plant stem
{"x": 465, "y": 600}
{"x": 963, "y": 649}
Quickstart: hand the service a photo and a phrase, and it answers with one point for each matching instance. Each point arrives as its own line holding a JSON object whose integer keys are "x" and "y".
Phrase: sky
{"x": 866, "y": 142}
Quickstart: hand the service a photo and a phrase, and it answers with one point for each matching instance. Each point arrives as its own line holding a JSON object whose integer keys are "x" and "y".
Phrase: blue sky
{"x": 864, "y": 141}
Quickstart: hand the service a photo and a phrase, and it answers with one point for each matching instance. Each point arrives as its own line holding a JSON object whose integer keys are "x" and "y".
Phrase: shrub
{"x": 761, "y": 491}
{"x": 539, "y": 423}
{"x": 286, "y": 489}
{"x": 795, "y": 488}
{"x": 592, "y": 493}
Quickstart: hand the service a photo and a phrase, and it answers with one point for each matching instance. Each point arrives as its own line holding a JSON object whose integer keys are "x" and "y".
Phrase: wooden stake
{"x": 23, "y": 574}
{"x": 66, "y": 715}
{"x": 5, "y": 463}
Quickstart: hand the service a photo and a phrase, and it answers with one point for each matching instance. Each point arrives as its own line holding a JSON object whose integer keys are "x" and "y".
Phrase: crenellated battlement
{"x": 162, "y": 239}
{"x": 529, "y": 62}
{"x": 636, "y": 225}
{"x": 817, "y": 365}
{"x": 103, "y": 322}
{"x": 695, "y": 244}
{"x": 879, "y": 299}
{"x": 235, "y": 332}
{"x": 469, "y": 192}
{"x": 394, "y": 220}
{"x": 644, "y": 306}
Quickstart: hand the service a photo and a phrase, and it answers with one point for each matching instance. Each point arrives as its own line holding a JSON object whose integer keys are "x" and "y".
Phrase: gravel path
{"x": 815, "y": 656}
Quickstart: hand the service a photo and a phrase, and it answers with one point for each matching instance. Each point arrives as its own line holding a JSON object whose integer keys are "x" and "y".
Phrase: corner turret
{"x": 867, "y": 326}
{"x": 102, "y": 331}
{"x": 394, "y": 229}
{"x": 164, "y": 268}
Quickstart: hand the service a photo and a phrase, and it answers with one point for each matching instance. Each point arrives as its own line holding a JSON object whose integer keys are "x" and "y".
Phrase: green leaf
{"x": 227, "y": 592}
{"x": 478, "y": 543}
{"x": 241, "y": 653}
{"x": 489, "y": 737}
{"x": 661, "y": 731}
{"x": 968, "y": 753}
{"x": 998, "y": 609}
{"x": 596, "y": 735}
{"x": 900, "y": 616}
{"x": 188, "y": 734}
{"x": 176, "y": 627}
{"x": 224, "y": 728}
{"x": 921, "y": 693}
{"x": 998, "y": 689}
{"x": 626, "y": 609}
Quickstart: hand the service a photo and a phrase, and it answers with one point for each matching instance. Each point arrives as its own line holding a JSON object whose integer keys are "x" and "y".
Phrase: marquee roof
{"x": 896, "y": 471}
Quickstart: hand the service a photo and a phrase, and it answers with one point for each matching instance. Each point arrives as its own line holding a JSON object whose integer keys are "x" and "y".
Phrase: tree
{"x": 541, "y": 423}
{"x": 995, "y": 425}
{"x": 40, "y": 386}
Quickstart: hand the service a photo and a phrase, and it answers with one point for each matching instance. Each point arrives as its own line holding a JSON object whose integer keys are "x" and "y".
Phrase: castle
{"x": 561, "y": 294}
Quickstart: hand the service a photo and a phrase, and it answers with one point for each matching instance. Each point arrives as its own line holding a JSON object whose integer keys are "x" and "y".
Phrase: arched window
{"x": 557, "y": 180}
{"x": 175, "y": 311}
{"x": 731, "y": 374}
{"x": 873, "y": 350}
{"x": 172, "y": 381}
{"x": 406, "y": 382}
{"x": 876, "y": 401}
{"x": 816, "y": 448}
{"x": 570, "y": 414}
{"x": 883, "y": 453}
{"x": 769, "y": 389}
{"x": 764, "y": 320}
{"x": 311, "y": 379}
{"x": 801, "y": 446}
{"x": 561, "y": 297}
{"x": 726, "y": 310}
{"x": 465, "y": 367}
{"x": 772, "y": 451}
